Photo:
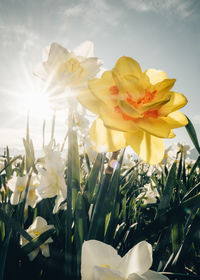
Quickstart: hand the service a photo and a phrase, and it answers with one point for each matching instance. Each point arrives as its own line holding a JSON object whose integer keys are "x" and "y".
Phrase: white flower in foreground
{"x": 66, "y": 71}
{"x": 36, "y": 229}
{"x": 100, "y": 261}
{"x": 52, "y": 181}
{"x": 149, "y": 195}
{"x": 18, "y": 186}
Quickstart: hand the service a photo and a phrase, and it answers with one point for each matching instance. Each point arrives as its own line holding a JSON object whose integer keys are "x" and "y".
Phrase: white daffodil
{"x": 52, "y": 182}
{"x": 149, "y": 195}
{"x": 18, "y": 186}
{"x": 66, "y": 71}
{"x": 36, "y": 229}
{"x": 100, "y": 261}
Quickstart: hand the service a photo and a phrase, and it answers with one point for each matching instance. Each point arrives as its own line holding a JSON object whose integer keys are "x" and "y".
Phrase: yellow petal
{"x": 128, "y": 109}
{"x": 104, "y": 139}
{"x": 127, "y": 65}
{"x": 157, "y": 127}
{"x": 115, "y": 120}
{"x": 154, "y": 104}
{"x": 177, "y": 101}
{"x": 129, "y": 83}
{"x": 148, "y": 147}
{"x": 155, "y": 76}
{"x": 176, "y": 119}
{"x": 89, "y": 101}
{"x": 163, "y": 88}
{"x": 101, "y": 87}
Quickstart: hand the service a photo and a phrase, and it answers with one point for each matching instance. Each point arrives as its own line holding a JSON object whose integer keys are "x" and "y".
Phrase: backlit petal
{"x": 127, "y": 65}
{"x": 85, "y": 49}
{"x": 115, "y": 120}
{"x": 57, "y": 55}
{"x": 101, "y": 87}
{"x": 103, "y": 273}
{"x": 154, "y": 126}
{"x": 176, "y": 119}
{"x": 96, "y": 253}
{"x": 156, "y": 76}
{"x": 104, "y": 139}
{"x": 148, "y": 147}
{"x": 89, "y": 101}
{"x": 177, "y": 101}
{"x": 138, "y": 260}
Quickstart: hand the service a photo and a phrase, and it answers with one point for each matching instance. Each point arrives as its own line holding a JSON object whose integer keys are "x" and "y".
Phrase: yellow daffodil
{"x": 135, "y": 108}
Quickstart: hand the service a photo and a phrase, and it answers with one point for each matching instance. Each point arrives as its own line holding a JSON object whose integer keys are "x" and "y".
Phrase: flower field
{"x": 89, "y": 208}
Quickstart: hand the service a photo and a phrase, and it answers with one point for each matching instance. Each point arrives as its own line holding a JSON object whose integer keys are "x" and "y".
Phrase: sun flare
{"x": 37, "y": 104}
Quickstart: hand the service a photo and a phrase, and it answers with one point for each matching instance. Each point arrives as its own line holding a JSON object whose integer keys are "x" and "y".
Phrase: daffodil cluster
{"x": 134, "y": 108}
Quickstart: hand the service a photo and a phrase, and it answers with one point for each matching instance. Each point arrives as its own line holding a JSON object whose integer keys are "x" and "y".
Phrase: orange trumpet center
{"x": 147, "y": 98}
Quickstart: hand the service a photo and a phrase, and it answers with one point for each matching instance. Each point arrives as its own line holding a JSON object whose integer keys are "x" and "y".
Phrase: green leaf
{"x": 114, "y": 199}
{"x": 168, "y": 190}
{"x": 14, "y": 225}
{"x": 93, "y": 176}
{"x": 192, "y": 133}
{"x": 3, "y": 254}
{"x": 164, "y": 221}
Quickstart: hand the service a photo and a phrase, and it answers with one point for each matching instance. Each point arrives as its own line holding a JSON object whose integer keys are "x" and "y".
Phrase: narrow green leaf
{"x": 164, "y": 221}
{"x": 192, "y": 133}
{"x": 168, "y": 190}
{"x": 92, "y": 178}
{"x": 3, "y": 254}
{"x": 14, "y": 225}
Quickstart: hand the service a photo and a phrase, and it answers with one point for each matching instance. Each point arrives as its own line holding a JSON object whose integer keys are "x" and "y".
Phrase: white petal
{"x": 91, "y": 67}
{"x": 57, "y": 55}
{"x": 138, "y": 260}
{"x": 134, "y": 276}
{"x": 12, "y": 184}
{"x": 38, "y": 224}
{"x": 45, "y": 250}
{"x": 58, "y": 201}
{"x": 96, "y": 253}
{"x": 152, "y": 275}
{"x": 103, "y": 273}
{"x": 85, "y": 49}
{"x": 14, "y": 200}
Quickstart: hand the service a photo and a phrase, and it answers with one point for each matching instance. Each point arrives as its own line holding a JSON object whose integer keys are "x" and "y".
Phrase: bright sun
{"x": 37, "y": 104}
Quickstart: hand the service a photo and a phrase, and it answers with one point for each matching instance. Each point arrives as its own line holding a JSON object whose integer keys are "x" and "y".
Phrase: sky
{"x": 158, "y": 34}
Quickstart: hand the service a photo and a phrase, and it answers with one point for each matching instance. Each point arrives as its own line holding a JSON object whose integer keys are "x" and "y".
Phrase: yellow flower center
{"x": 21, "y": 188}
{"x": 147, "y": 98}
{"x": 37, "y": 233}
{"x": 72, "y": 65}
{"x": 104, "y": 265}
{"x": 31, "y": 193}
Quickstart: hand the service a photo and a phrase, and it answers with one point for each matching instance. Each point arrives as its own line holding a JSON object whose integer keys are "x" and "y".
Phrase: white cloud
{"x": 18, "y": 34}
{"x": 92, "y": 12}
{"x": 182, "y": 8}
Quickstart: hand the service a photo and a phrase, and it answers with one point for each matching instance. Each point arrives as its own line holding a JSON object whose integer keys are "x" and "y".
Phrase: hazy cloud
{"x": 183, "y": 8}
{"x": 94, "y": 12}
